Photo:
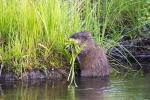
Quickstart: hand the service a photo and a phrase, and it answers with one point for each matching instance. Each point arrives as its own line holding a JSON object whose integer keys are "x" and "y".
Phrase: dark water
{"x": 88, "y": 89}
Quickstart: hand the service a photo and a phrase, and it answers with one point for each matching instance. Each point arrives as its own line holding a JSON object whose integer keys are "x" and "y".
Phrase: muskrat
{"x": 92, "y": 59}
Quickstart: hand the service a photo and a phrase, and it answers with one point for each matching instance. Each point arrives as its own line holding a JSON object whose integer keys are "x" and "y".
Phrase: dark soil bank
{"x": 136, "y": 51}
{"x": 52, "y": 74}
{"x": 140, "y": 50}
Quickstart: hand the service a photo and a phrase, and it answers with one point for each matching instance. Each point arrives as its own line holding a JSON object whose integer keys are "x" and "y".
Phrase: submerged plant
{"x": 73, "y": 49}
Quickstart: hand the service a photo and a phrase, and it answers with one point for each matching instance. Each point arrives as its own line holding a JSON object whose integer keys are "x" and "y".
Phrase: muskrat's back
{"x": 93, "y": 63}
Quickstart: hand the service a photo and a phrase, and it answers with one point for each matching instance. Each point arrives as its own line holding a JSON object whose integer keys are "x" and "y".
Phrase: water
{"x": 88, "y": 89}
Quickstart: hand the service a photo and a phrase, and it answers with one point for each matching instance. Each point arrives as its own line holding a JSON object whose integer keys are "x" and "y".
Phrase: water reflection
{"x": 1, "y": 91}
{"x": 131, "y": 89}
{"x": 91, "y": 88}
{"x": 88, "y": 89}
{"x": 34, "y": 90}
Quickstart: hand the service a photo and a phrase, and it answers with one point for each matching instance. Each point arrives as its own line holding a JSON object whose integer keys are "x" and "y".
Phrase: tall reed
{"x": 32, "y": 32}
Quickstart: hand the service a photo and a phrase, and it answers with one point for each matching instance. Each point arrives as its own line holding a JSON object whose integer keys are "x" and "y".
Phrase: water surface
{"x": 88, "y": 89}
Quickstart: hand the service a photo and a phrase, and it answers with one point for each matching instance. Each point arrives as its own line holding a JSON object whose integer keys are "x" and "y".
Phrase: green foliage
{"x": 32, "y": 32}
{"x": 75, "y": 51}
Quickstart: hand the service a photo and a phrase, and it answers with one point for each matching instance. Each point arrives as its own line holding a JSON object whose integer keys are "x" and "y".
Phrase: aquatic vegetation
{"x": 74, "y": 49}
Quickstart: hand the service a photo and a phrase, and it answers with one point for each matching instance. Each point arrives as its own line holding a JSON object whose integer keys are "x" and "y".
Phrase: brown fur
{"x": 92, "y": 59}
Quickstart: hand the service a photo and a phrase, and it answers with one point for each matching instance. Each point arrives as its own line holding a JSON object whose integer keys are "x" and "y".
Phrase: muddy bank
{"x": 35, "y": 74}
{"x": 134, "y": 53}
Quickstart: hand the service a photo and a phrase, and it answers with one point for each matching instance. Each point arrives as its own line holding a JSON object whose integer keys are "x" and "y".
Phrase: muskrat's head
{"x": 84, "y": 39}
{"x": 82, "y": 36}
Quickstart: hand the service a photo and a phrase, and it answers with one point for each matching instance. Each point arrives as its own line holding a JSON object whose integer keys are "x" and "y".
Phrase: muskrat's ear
{"x": 89, "y": 34}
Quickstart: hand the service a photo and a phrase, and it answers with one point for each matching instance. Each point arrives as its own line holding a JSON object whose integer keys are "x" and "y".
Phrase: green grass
{"x": 33, "y": 32}
{"x": 75, "y": 51}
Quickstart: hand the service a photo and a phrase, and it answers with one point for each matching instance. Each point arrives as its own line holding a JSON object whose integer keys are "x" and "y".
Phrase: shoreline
{"x": 35, "y": 74}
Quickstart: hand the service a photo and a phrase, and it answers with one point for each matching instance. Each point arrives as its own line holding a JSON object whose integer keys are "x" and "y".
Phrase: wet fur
{"x": 92, "y": 59}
